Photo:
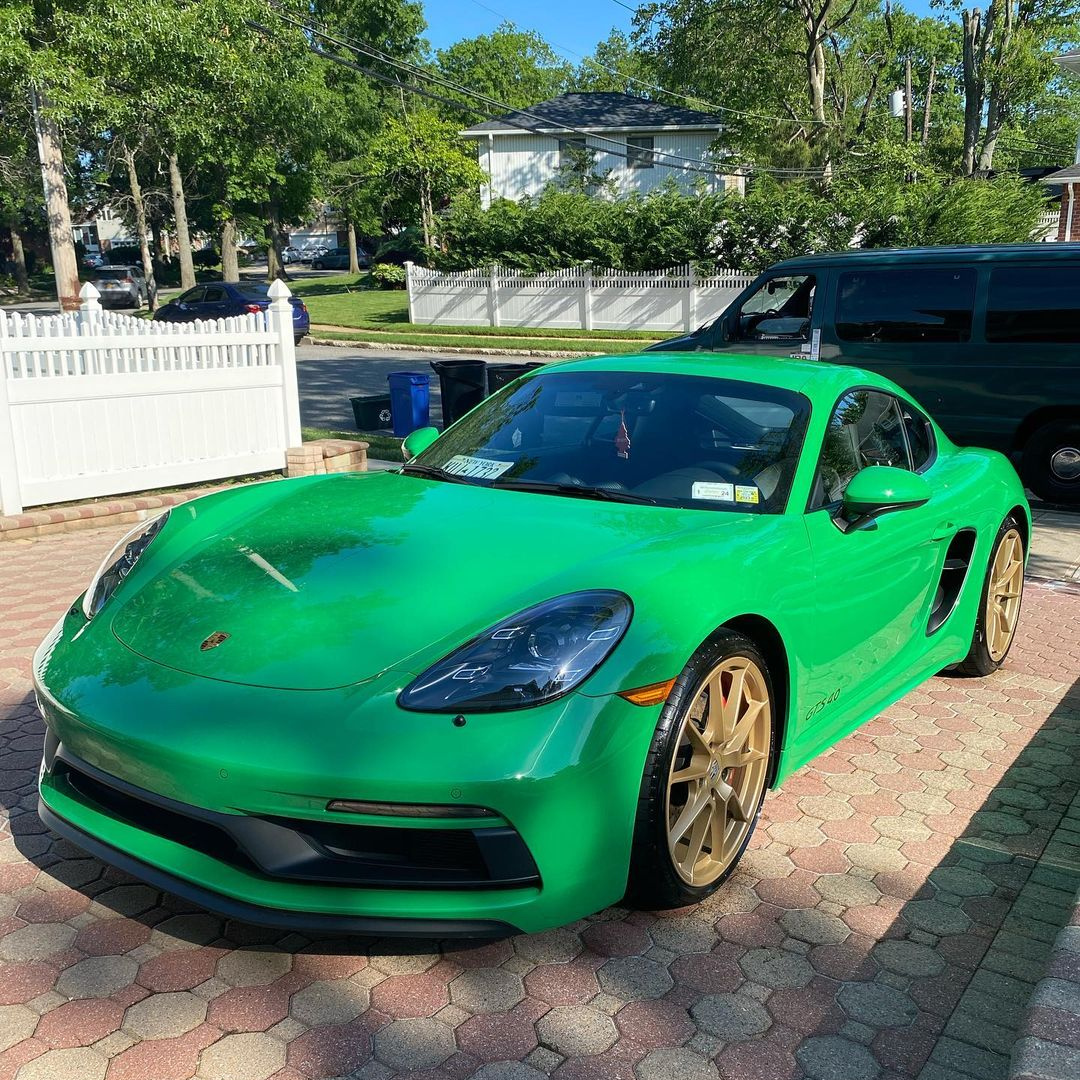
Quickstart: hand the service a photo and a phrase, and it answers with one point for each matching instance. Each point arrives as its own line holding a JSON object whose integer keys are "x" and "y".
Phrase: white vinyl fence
{"x": 577, "y": 298}
{"x": 97, "y": 402}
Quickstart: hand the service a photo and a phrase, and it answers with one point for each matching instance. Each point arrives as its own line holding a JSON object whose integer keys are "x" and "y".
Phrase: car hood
{"x": 327, "y": 583}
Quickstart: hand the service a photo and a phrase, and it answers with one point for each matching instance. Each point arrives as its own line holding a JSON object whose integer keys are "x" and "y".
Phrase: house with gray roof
{"x": 634, "y": 143}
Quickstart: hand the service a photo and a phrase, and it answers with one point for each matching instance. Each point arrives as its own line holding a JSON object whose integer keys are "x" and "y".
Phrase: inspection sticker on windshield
{"x": 703, "y": 489}
{"x": 746, "y": 494}
{"x": 478, "y": 467}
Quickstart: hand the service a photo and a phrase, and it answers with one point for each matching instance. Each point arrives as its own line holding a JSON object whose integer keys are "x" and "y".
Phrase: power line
{"x": 617, "y": 149}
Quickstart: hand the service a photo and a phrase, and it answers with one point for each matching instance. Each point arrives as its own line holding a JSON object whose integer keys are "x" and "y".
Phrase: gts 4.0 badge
{"x": 815, "y": 709}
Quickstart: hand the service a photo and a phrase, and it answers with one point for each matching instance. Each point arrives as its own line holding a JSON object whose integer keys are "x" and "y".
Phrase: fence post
{"x": 493, "y": 297}
{"x": 281, "y": 322}
{"x": 587, "y": 299}
{"x": 409, "y": 286}
{"x": 89, "y": 309}
{"x": 10, "y": 494}
{"x": 691, "y": 318}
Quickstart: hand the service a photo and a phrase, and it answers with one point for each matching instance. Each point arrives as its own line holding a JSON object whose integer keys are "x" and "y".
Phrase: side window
{"x": 1034, "y": 303}
{"x": 916, "y": 305}
{"x": 779, "y": 310}
{"x": 866, "y": 428}
{"x": 192, "y": 296}
{"x": 920, "y": 436}
{"x": 214, "y": 295}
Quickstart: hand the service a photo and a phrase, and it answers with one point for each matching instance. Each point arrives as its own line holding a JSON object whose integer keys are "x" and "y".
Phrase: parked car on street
{"x": 93, "y": 259}
{"x": 220, "y": 299}
{"x": 987, "y": 336}
{"x": 291, "y": 255}
{"x": 554, "y": 660}
{"x": 120, "y": 286}
{"x": 338, "y": 259}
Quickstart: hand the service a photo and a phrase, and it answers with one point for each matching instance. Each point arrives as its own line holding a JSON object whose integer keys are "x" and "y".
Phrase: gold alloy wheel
{"x": 1003, "y": 594}
{"x": 718, "y": 770}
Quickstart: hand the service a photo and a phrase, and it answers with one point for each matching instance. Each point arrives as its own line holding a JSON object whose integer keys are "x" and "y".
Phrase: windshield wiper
{"x": 606, "y": 494}
{"x": 431, "y": 472}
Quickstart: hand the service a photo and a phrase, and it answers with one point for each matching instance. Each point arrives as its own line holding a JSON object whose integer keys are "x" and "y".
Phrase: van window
{"x": 779, "y": 310}
{"x": 905, "y": 305}
{"x": 1034, "y": 303}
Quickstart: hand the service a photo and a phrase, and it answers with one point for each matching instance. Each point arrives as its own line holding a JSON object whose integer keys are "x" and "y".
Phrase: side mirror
{"x": 877, "y": 490}
{"x": 419, "y": 441}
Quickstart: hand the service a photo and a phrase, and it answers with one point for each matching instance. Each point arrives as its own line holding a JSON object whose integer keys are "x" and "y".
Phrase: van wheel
{"x": 1051, "y": 462}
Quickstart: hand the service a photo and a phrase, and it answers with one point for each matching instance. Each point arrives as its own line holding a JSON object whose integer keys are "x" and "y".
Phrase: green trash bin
{"x": 372, "y": 411}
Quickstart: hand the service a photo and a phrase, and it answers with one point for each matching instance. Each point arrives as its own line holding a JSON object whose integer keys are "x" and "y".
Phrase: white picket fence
{"x": 577, "y": 298}
{"x": 97, "y": 402}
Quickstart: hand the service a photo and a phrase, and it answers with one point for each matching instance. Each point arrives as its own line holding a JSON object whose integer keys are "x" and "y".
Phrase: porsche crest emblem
{"x": 213, "y": 641}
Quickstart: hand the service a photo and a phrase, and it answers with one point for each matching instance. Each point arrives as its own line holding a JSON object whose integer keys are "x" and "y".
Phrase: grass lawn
{"x": 384, "y": 315}
{"x": 381, "y": 446}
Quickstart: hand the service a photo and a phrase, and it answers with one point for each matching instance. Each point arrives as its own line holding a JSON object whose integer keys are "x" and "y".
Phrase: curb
{"x": 94, "y": 515}
{"x": 484, "y": 351}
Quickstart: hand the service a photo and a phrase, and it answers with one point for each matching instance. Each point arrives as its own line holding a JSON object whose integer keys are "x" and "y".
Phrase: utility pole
{"x": 61, "y": 240}
{"x": 908, "y": 109}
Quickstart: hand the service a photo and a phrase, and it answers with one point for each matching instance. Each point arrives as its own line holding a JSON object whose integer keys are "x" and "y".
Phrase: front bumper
{"x": 564, "y": 779}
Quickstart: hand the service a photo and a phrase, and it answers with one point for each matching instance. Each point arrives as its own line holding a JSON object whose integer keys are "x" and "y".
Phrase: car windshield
{"x": 686, "y": 441}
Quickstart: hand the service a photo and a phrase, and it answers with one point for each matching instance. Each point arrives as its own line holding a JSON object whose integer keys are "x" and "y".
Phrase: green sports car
{"x": 553, "y": 661}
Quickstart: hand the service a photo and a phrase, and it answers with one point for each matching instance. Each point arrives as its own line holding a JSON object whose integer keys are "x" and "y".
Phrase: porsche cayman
{"x": 555, "y": 660}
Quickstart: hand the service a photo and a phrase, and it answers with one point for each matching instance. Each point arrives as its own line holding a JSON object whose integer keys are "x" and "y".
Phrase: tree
{"x": 414, "y": 166}
{"x": 514, "y": 67}
{"x": 615, "y": 66}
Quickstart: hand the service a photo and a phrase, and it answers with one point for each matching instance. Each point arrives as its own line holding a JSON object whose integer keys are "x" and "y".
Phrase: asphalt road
{"x": 329, "y": 376}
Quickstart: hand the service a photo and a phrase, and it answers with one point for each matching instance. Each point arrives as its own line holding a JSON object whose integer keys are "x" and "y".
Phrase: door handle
{"x": 945, "y": 531}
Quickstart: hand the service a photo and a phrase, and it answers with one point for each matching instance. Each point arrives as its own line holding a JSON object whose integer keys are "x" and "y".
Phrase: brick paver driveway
{"x": 886, "y": 922}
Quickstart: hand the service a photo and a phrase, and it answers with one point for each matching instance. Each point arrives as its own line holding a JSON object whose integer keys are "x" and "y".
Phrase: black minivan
{"x": 987, "y": 338}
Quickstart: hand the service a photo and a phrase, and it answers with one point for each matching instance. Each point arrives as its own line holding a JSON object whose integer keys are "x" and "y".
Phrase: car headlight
{"x": 119, "y": 562}
{"x": 538, "y": 655}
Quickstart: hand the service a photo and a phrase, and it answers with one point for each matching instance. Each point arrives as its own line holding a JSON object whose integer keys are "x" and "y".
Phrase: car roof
{"x": 1060, "y": 252}
{"x": 810, "y": 377}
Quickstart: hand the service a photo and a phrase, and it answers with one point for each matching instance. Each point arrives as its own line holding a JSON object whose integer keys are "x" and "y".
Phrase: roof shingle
{"x": 598, "y": 112}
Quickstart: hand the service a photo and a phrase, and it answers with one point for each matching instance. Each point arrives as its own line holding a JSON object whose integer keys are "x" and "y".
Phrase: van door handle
{"x": 945, "y": 531}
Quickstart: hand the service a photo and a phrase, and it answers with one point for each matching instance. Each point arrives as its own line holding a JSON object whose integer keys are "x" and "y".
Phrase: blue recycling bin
{"x": 410, "y": 399}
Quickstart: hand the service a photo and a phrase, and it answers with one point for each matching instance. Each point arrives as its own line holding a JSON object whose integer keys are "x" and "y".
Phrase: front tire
{"x": 705, "y": 775}
{"x": 1051, "y": 462}
{"x": 999, "y": 604}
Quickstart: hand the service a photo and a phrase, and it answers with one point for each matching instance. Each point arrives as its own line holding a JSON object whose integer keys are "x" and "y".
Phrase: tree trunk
{"x": 230, "y": 267}
{"x": 974, "y": 85}
{"x": 61, "y": 239}
{"x": 275, "y": 266}
{"x": 183, "y": 237}
{"x": 997, "y": 107}
{"x": 18, "y": 256}
{"x": 141, "y": 226}
{"x": 926, "y": 103}
{"x": 354, "y": 261}
{"x": 426, "y": 216}
{"x": 156, "y": 238}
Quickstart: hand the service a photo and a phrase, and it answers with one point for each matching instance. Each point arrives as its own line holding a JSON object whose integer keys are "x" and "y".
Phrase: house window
{"x": 571, "y": 154}
{"x": 639, "y": 152}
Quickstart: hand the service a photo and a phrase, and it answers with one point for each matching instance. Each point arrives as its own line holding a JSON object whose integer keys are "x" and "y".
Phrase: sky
{"x": 573, "y": 24}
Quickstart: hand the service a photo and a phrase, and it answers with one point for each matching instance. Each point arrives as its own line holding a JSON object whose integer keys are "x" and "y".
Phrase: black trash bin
{"x": 462, "y": 385}
{"x": 498, "y": 375}
{"x": 372, "y": 411}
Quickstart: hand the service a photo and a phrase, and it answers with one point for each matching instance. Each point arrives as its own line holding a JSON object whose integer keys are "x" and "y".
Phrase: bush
{"x": 388, "y": 276}
{"x": 892, "y": 197}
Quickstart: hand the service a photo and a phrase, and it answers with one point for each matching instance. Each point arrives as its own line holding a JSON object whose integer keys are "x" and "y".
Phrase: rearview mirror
{"x": 419, "y": 441}
{"x": 877, "y": 490}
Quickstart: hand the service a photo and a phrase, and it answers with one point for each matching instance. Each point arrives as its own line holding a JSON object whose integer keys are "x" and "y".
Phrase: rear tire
{"x": 1051, "y": 462}
{"x": 999, "y": 603}
{"x": 712, "y": 749}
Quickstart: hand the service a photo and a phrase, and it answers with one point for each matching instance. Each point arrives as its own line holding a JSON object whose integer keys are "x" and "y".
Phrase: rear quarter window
{"x": 1034, "y": 303}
